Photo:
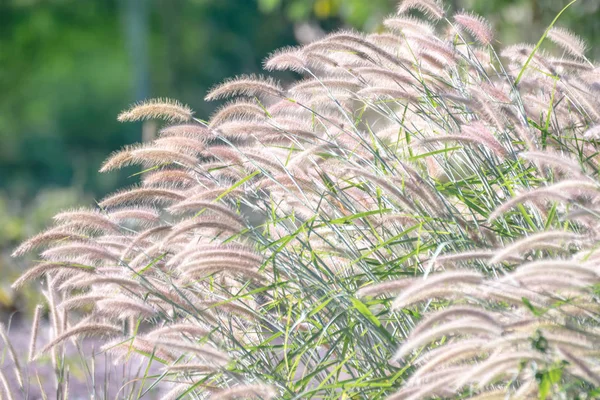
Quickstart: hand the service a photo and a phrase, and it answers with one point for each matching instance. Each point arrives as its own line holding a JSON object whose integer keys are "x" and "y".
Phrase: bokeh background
{"x": 67, "y": 67}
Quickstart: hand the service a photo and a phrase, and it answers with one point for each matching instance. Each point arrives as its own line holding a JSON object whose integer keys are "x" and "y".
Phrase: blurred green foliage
{"x": 514, "y": 20}
{"x": 357, "y": 13}
{"x": 66, "y": 72}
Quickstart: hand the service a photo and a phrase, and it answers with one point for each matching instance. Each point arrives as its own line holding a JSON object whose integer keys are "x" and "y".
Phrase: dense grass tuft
{"x": 416, "y": 217}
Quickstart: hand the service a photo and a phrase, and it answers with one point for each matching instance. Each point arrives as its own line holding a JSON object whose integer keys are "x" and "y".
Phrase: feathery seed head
{"x": 431, "y": 8}
{"x": 568, "y": 41}
{"x": 165, "y": 109}
{"x": 245, "y": 86}
{"x": 476, "y": 26}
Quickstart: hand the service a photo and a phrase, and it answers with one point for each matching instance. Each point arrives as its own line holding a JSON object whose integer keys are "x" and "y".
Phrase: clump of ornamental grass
{"x": 416, "y": 217}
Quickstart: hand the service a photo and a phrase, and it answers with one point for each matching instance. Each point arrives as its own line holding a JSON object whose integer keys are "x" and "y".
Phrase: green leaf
{"x": 544, "y": 387}
{"x": 548, "y": 379}
{"x": 555, "y": 374}
{"x": 153, "y": 262}
{"x": 347, "y": 219}
{"x": 540, "y": 42}
{"x": 320, "y": 307}
{"x": 536, "y": 311}
{"x": 364, "y": 310}
{"x": 432, "y": 153}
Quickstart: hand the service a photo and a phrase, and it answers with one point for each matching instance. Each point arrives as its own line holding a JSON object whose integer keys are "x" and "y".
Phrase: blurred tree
{"x": 67, "y": 67}
{"x": 63, "y": 75}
